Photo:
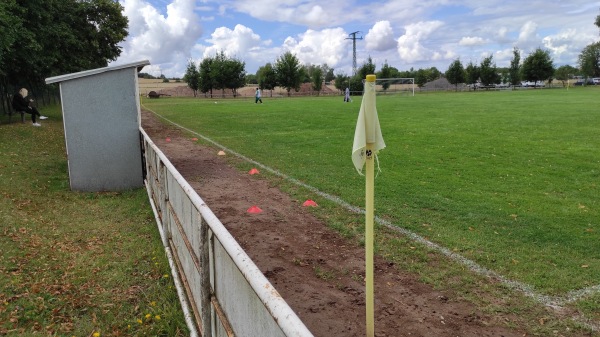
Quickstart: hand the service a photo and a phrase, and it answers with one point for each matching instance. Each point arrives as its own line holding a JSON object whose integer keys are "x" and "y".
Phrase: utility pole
{"x": 354, "y": 38}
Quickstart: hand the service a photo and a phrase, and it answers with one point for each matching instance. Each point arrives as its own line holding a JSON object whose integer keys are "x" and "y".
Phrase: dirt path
{"x": 317, "y": 272}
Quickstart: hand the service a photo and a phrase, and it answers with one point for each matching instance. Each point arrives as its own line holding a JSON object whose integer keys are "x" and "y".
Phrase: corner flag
{"x": 367, "y": 143}
{"x": 367, "y": 127}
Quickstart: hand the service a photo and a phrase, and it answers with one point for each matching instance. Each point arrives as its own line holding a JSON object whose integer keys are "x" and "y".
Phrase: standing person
{"x": 347, "y": 95}
{"x": 21, "y": 103}
{"x": 257, "y": 96}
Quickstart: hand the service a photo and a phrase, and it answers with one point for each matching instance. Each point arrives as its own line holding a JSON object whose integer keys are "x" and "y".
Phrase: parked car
{"x": 538, "y": 84}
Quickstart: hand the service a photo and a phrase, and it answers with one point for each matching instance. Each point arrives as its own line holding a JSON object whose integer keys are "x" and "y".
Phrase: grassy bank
{"x": 75, "y": 264}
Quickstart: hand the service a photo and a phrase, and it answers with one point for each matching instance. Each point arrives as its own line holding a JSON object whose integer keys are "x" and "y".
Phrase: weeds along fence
{"x": 223, "y": 293}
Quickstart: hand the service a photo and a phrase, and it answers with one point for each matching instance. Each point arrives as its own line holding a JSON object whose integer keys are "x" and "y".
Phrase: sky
{"x": 405, "y": 34}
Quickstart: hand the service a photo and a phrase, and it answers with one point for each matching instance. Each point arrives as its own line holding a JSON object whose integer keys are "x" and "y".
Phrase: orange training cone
{"x": 253, "y": 171}
{"x": 168, "y": 139}
{"x": 194, "y": 139}
{"x": 309, "y": 203}
{"x": 221, "y": 153}
{"x": 254, "y": 210}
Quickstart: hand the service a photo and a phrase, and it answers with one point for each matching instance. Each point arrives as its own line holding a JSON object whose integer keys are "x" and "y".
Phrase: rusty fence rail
{"x": 223, "y": 293}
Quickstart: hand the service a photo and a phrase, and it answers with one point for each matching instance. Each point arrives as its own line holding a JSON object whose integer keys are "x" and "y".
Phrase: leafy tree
{"x": 317, "y": 79}
{"x": 456, "y": 73}
{"x": 367, "y": 68}
{"x": 342, "y": 81}
{"x": 538, "y": 66}
{"x": 564, "y": 73}
{"x": 433, "y": 74}
{"x": 488, "y": 72}
{"x": 385, "y": 72}
{"x": 514, "y": 71}
{"x": 228, "y": 73}
{"x": 471, "y": 74}
{"x": 40, "y": 38}
{"x": 589, "y": 60}
{"x": 288, "y": 72}
{"x": 236, "y": 75}
{"x": 328, "y": 71}
{"x": 421, "y": 77}
{"x": 267, "y": 77}
{"x": 356, "y": 85}
{"x": 206, "y": 76}
{"x": 251, "y": 79}
{"x": 192, "y": 77}
{"x": 305, "y": 74}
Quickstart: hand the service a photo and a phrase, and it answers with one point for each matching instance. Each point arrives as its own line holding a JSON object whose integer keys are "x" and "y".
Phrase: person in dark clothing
{"x": 21, "y": 103}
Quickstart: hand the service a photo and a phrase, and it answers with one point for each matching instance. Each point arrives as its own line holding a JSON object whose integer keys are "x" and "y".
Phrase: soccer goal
{"x": 395, "y": 86}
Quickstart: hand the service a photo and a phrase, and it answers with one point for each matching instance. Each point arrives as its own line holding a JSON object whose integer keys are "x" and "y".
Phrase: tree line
{"x": 287, "y": 72}
{"x": 41, "y": 39}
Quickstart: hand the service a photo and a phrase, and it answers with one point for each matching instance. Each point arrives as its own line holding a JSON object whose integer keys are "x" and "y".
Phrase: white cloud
{"x": 410, "y": 47}
{"x": 307, "y": 13}
{"x": 567, "y": 44}
{"x": 472, "y": 41}
{"x": 319, "y": 47}
{"x": 166, "y": 40}
{"x": 234, "y": 43}
{"x": 380, "y": 37}
{"x": 528, "y": 34}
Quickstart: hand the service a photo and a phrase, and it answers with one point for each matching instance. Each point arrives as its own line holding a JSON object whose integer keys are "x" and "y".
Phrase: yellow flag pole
{"x": 370, "y": 214}
{"x": 369, "y": 234}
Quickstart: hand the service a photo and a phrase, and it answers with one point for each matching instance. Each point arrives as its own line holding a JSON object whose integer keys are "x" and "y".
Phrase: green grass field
{"x": 506, "y": 179}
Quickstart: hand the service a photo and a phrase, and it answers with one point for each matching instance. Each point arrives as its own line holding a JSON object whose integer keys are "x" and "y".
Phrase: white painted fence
{"x": 222, "y": 291}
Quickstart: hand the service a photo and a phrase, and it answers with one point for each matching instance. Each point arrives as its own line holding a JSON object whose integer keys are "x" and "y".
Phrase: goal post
{"x": 395, "y": 86}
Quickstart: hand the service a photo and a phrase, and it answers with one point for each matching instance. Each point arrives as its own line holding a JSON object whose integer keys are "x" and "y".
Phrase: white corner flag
{"x": 367, "y": 142}
{"x": 367, "y": 127}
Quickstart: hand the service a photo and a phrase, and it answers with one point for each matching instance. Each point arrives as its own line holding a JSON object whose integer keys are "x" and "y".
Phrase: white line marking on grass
{"x": 554, "y": 302}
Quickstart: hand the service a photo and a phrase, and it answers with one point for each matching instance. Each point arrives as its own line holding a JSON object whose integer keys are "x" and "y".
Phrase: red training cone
{"x": 309, "y": 203}
{"x": 253, "y": 171}
{"x": 194, "y": 139}
{"x": 254, "y": 210}
{"x": 168, "y": 139}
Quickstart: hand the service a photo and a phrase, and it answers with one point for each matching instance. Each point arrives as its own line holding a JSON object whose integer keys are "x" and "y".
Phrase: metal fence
{"x": 223, "y": 293}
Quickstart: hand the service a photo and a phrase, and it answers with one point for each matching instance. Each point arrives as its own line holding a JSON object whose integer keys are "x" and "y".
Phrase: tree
{"x": 317, "y": 79}
{"x": 421, "y": 77}
{"x": 589, "y": 60}
{"x": 251, "y": 79}
{"x": 328, "y": 71}
{"x": 488, "y": 72}
{"x": 342, "y": 81}
{"x": 267, "y": 77}
{"x": 206, "y": 76}
{"x": 433, "y": 74}
{"x": 472, "y": 74}
{"x": 564, "y": 73}
{"x": 538, "y": 66}
{"x": 227, "y": 73}
{"x": 455, "y": 73}
{"x": 385, "y": 72}
{"x": 192, "y": 77}
{"x": 367, "y": 68}
{"x": 514, "y": 71}
{"x": 42, "y": 38}
{"x": 288, "y": 72}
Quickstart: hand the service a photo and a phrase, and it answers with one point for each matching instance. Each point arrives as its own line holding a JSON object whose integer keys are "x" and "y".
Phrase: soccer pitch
{"x": 507, "y": 181}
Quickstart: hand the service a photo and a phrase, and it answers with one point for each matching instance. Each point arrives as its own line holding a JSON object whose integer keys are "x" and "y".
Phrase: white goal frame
{"x": 397, "y": 85}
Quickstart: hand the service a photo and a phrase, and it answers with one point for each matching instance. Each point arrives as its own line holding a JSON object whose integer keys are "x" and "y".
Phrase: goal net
{"x": 395, "y": 86}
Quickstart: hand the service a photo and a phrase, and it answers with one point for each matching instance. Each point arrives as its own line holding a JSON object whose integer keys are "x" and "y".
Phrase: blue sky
{"x": 405, "y": 34}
